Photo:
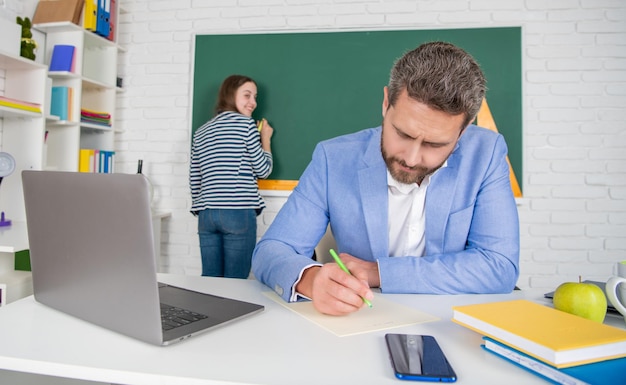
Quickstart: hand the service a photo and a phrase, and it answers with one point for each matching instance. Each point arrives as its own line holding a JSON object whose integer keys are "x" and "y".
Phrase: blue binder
{"x": 609, "y": 372}
{"x": 104, "y": 16}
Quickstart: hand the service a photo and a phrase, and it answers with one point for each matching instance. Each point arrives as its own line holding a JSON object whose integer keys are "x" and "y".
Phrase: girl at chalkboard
{"x": 228, "y": 154}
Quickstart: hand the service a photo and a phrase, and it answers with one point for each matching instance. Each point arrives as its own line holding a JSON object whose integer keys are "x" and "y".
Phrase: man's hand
{"x": 364, "y": 270}
{"x": 334, "y": 291}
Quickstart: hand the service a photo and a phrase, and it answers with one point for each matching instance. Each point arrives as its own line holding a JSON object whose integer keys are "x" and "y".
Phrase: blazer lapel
{"x": 439, "y": 203}
{"x": 372, "y": 179}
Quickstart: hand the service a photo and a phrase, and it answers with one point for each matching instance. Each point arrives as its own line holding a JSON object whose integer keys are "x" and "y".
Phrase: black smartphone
{"x": 418, "y": 358}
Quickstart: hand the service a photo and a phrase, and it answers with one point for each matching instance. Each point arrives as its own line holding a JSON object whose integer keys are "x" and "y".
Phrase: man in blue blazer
{"x": 421, "y": 204}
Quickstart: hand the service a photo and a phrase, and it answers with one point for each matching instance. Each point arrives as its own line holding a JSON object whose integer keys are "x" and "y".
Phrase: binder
{"x": 62, "y": 58}
{"x": 90, "y": 15}
{"x": 102, "y": 162}
{"x": 103, "y": 22}
{"x": 106, "y": 161}
{"x": 608, "y": 372}
{"x": 112, "y": 20}
{"x": 98, "y": 158}
{"x": 85, "y": 160}
{"x": 111, "y": 162}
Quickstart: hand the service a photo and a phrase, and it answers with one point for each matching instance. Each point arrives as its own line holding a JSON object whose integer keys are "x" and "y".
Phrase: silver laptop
{"x": 92, "y": 256}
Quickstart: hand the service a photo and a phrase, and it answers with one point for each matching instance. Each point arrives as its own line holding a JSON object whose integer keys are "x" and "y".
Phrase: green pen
{"x": 344, "y": 268}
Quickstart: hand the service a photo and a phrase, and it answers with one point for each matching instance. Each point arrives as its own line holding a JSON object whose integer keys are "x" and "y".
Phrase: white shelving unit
{"x": 23, "y": 132}
{"x": 94, "y": 87}
{"x": 40, "y": 142}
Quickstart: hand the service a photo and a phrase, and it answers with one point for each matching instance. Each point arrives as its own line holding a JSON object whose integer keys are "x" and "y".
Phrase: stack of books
{"x": 95, "y": 117}
{"x": 558, "y": 346}
{"x": 19, "y": 104}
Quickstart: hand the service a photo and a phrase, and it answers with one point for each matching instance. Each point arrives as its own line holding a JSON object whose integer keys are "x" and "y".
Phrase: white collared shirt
{"x": 407, "y": 220}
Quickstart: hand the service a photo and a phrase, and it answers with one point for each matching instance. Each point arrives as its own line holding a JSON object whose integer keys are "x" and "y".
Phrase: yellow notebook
{"x": 553, "y": 336}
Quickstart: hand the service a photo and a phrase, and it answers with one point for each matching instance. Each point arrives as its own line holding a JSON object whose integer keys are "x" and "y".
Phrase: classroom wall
{"x": 573, "y": 214}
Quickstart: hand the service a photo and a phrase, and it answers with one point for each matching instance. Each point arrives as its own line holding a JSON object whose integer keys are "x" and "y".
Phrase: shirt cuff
{"x": 295, "y": 296}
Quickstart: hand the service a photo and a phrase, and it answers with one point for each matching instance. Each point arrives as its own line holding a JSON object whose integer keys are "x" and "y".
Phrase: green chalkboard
{"x": 314, "y": 86}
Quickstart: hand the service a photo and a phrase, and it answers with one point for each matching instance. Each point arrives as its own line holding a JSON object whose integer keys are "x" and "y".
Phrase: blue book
{"x": 59, "y": 102}
{"x": 62, "y": 58}
{"x": 609, "y": 372}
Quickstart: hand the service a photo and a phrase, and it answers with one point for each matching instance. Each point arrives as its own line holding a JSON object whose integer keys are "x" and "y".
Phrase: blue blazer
{"x": 472, "y": 226}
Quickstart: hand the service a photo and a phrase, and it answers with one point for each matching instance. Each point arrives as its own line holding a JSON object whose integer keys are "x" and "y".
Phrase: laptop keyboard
{"x": 173, "y": 317}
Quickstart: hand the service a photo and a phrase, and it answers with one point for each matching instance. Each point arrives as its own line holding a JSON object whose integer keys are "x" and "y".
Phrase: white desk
{"x": 274, "y": 347}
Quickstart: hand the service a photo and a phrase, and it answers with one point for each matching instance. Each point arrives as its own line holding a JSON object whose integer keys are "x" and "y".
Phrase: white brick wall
{"x": 573, "y": 214}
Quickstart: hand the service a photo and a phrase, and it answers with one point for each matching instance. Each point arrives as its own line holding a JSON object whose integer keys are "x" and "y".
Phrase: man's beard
{"x": 417, "y": 173}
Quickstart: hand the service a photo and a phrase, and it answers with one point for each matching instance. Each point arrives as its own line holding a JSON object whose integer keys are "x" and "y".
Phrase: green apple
{"x": 582, "y": 299}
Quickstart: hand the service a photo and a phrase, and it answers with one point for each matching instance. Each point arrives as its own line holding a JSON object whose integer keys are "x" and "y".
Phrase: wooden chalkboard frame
{"x": 316, "y": 85}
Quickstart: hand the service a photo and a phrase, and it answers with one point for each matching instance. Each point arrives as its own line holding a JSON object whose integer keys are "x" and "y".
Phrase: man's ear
{"x": 385, "y": 100}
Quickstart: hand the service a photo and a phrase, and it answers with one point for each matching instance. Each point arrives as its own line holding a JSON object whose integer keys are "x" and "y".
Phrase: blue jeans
{"x": 227, "y": 240}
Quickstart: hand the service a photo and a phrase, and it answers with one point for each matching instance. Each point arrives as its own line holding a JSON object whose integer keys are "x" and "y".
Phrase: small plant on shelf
{"x": 28, "y": 45}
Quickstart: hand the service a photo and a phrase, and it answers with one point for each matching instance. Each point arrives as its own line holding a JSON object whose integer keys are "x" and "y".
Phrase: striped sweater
{"x": 226, "y": 160}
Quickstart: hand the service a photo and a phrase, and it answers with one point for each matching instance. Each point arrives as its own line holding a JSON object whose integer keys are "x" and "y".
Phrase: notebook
{"x": 92, "y": 256}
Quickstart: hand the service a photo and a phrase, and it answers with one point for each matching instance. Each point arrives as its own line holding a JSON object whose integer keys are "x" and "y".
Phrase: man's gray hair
{"x": 442, "y": 76}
